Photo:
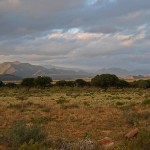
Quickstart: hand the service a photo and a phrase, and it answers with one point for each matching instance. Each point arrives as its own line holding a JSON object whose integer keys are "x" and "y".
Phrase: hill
{"x": 28, "y": 70}
{"x": 9, "y": 77}
{"x": 138, "y": 73}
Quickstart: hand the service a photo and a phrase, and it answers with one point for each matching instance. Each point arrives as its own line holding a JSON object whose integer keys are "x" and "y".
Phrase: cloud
{"x": 75, "y": 33}
{"x": 128, "y": 43}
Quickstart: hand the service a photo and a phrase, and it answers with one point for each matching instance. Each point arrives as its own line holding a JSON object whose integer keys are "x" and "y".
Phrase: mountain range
{"x": 24, "y": 70}
{"x": 17, "y": 70}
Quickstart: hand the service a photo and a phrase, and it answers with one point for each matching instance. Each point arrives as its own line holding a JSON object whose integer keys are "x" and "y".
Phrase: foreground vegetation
{"x": 73, "y": 118}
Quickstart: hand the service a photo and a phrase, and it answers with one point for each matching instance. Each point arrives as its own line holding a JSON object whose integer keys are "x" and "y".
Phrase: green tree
{"x": 105, "y": 81}
{"x": 43, "y": 82}
{"x": 28, "y": 82}
{"x": 80, "y": 82}
{"x": 1, "y": 84}
{"x": 122, "y": 84}
{"x": 141, "y": 84}
{"x": 11, "y": 85}
{"x": 61, "y": 83}
{"x": 70, "y": 83}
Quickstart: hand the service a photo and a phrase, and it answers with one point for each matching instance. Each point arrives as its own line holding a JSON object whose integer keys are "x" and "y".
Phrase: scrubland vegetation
{"x": 74, "y": 115}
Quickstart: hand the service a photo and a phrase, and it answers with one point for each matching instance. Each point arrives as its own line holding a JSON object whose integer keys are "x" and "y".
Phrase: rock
{"x": 106, "y": 142}
{"x": 107, "y": 131}
{"x": 132, "y": 133}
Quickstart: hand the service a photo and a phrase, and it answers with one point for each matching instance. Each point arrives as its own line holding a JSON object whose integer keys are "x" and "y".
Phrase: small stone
{"x": 132, "y": 133}
{"x": 107, "y": 131}
{"x": 106, "y": 142}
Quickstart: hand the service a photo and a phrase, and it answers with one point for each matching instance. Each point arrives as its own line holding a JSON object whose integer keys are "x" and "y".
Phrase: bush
{"x": 146, "y": 102}
{"x": 11, "y": 85}
{"x": 32, "y": 146}
{"x": 70, "y": 83}
{"x": 20, "y": 134}
{"x": 1, "y": 84}
{"x": 28, "y": 82}
{"x": 61, "y": 83}
{"x": 62, "y": 100}
{"x": 122, "y": 84}
{"x": 43, "y": 82}
{"x": 105, "y": 81}
{"x": 80, "y": 83}
{"x": 144, "y": 84}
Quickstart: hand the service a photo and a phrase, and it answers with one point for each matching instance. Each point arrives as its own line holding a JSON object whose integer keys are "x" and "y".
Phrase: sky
{"x": 85, "y": 34}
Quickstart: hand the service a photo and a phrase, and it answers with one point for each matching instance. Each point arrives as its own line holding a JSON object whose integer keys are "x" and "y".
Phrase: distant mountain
{"x": 116, "y": 71}
{"x": 141, "y": 71}
{"x": 123, "y": 72}
{"x": 8, "y": 77}
{"x": 27, "y": 70}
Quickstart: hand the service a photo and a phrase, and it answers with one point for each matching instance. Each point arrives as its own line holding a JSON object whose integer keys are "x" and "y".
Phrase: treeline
{"x": 103, "y": 81}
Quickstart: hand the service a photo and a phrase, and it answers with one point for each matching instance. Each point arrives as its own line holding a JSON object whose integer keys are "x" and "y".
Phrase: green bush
{"x": 146, "y": 102}
{"x": 32, "y": 146}
{"x": 20, "y": 134}
{"x": 28, "y": 82}
{"x": 105, "y": 81}
{"x": 80, "y": 83}
{"x": 1, "y": 84}
{"x": 43, "y": 82}
{"x": 11, "y": 85}
{"x": 62, "y": 100}
{"x": 61, "y": 83}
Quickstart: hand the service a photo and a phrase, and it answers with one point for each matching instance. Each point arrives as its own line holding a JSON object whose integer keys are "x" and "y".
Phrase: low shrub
{"x": 62, "y": 100}
{"x": 146, "y": 102}
{"x": 20, "y": 134}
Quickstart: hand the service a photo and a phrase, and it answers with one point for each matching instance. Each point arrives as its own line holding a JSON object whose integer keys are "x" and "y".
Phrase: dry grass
{"x": 84, "y": 113}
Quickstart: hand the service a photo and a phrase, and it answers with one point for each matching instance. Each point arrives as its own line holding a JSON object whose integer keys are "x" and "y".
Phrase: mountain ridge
{"x": 28, "y": 70}
{"x": 24, "y": 70}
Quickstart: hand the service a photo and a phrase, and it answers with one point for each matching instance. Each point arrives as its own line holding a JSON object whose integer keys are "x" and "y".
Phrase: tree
{"x": 70, "y": 83}
{"x": 43, "y": 82}
{"x": 11, "y": 85}
{"x": 148, "y": 83}
{"x": 80, "y": 83}
{"x": 141, "y": 84}
{"x": 61, "y": 83}
{"x": 105, "y": 81}
{"x": 1, "y": 84}
{"x": 122, "y": 84}
{"x": 28, "y": 82}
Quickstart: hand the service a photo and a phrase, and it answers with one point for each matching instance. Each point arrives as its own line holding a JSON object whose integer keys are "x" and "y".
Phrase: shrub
{"x": 146, "y": 102}
{"x": 141, "y": 84}
{"x": 28, "y": 82}
{"x": 71, "y": 106}
{"x": 11, "y": 85}
{"x": 119, "y": 103}
{"x": 1, "y": 84}
{"x": 32, "y": 146}
{"x": 20, "y": 134}
{"x": 42, "y": 120}
{"x": 80, "y": 83}
{"x": 61, "y": 83}
{"x": 62, "y": 100}
{"x": 122, "y": 84}
{"x": 105, "y": 81}
{"x": 43, "y": 82}
{"x": 70, "y": 83}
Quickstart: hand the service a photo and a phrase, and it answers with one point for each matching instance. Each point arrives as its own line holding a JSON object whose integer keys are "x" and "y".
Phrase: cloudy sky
{"x": 86, "y": 34}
